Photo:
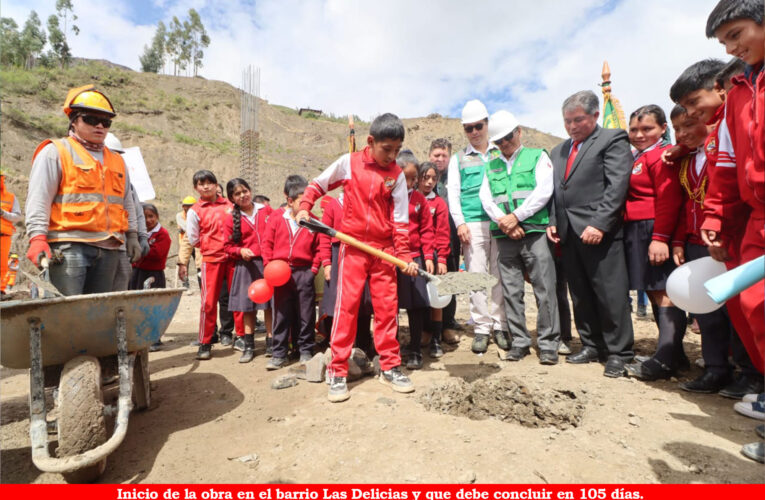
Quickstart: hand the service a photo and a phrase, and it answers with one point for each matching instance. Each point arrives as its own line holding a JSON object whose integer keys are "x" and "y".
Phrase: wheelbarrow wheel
{"x": 141, "y": 388}
{"x": 81, "y": 425}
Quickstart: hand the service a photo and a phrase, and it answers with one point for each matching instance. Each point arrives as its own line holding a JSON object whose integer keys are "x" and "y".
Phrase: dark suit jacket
{"x": 596, "y": 189}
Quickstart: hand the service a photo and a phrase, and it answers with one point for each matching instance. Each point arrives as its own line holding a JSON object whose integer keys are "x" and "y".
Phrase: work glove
{"x": 133, "y": 247}
{"x": 144, "y": 242}
{"x": 38, "y": 245}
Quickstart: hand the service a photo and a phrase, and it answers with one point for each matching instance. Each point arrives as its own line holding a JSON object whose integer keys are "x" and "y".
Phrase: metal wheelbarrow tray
{"x": 75, "y": 332}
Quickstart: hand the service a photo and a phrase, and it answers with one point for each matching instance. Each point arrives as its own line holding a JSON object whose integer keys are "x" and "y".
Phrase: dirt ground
{"x": 220, "y": 422}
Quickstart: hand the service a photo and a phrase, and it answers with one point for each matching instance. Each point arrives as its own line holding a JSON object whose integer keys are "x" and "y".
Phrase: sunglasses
{"x": 95, "y": 120}
{"x": 469, "y": 128}
{"x": 508, "y": 137}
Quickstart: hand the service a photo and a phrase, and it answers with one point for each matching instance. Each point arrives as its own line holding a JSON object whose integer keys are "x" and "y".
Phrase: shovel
{"x": 440, "y": 288}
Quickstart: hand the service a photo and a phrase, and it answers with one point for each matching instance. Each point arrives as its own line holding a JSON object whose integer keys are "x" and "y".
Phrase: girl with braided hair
{"x": 243, "y": 232}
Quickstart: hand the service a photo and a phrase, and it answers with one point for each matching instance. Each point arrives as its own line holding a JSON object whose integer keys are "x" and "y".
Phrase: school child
{"x": 702, "y": 93}
{"x": 441, "y": 243}
{"x": 329, "y": 249}
{"x": 653, "y": 203}
{"x": 717, "y": 334}
{"x": 243, "y": 231}
{"x": 412, "y": 291}
{"x": 375, "y": 211}
{"x": 294, "y": 302}
{"x": 153, "y": 263}
{"x": 205, "y": 223}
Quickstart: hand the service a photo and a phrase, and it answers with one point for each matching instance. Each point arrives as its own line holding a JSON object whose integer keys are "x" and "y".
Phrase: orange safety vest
{"x": 6, "y": 203}
{"x": 89, "y": 205}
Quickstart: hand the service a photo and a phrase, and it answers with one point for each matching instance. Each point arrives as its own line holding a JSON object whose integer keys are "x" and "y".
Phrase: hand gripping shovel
{"x": 440, "y": 288}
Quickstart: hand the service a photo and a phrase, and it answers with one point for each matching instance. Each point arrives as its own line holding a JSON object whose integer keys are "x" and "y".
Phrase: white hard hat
{"x": 113, "y": 143}
{"x": 474, "y": 111}
{"x": 501, "y": 123}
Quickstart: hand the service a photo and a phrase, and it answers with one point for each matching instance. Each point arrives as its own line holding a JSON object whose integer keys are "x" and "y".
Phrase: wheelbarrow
{"x": 65, "y": 341}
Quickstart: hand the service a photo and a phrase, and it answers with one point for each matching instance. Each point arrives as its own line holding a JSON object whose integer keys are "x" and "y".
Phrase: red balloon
{"x": 260, "y": 291}
{"x": 277, "y": 272}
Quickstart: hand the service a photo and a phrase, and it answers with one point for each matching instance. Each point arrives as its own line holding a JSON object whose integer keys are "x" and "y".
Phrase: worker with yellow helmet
{"x": 79, "y": 208}
{"x": 185, "y": 250}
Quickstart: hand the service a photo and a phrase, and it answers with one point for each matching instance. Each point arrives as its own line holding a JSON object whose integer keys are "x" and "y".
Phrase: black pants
{"x": 141, "y": 275}
{"x": 295, "y": 310}
{"x": 561, "y": 291}
{"x": 224, "y": 315}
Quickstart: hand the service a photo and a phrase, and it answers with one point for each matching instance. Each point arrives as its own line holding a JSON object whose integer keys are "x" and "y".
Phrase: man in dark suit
{"x": 591, "y": 174}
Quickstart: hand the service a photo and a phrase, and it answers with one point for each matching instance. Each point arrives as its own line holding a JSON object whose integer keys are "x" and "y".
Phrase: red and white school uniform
{"x": 153, "y": 263}
{"x": 205, "y": 228}
{"x": 294, "y": 302}
{"x": 244, "y": 272}
{"x": 441, "y": 231}
{"x": 375, "y": 211}
{"x": 736, "y": 195}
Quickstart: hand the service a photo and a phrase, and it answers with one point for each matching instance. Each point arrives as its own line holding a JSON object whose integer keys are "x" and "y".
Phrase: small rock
{"x": 252, "y": 457}
{"x": 284, "y": 382}
{"x": 468, "y": 477}
{"x": 315, "y": 367}
{"x": 634, "y": 420}
{"x": 386, "y": 401}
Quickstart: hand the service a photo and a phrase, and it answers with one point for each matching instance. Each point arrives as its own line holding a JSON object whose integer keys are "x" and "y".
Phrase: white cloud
{"x": 415, "y": 58}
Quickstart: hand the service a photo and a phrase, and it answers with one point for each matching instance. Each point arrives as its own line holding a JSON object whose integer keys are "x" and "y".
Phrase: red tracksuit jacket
{"x": 654, "y": 193}
{"x": 252, "y": 233}
{"x": 692, "y": 212}
{"x": 332, "y": 216}
{"x": 159, "y": 246}
{"x": 420, "y": 226}
{"x": 375, "y": 202}
{"x": 205, "y": 222}
{"x": 441, "y": 234}
{"x": 300, "y": 249}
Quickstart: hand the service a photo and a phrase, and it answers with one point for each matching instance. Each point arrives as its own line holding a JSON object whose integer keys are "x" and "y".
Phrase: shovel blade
{"x": 464, "y": 282}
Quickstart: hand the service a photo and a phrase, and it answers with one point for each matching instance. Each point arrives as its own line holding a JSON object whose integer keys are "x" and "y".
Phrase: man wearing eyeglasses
{"x": 515, "y": 193}
{"x": 591, "y": 175}
{"x": 466, "y": 171}
{"x": 79, "y": 208}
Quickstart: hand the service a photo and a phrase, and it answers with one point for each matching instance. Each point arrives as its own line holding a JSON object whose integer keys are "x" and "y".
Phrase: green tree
{"x": 32, "y": 40}
{"x": 178, "y": 45}
{"x": 10, "y": 43}
{"x": 65, "y": 10}
{"x": 198, "y": 39}
{"x": 59, "y": 52}
{"x": 153, "y": 58}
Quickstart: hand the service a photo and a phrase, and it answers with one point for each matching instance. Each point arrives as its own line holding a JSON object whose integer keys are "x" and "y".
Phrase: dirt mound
{"x": 505, "y": 399}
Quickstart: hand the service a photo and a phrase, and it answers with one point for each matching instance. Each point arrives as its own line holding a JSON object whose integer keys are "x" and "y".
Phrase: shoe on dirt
{"x": 239, "y": 344}
{"x": 276, "y": 363}
{"x": 338, "y": 390}
{"x": 414, "y": 362}
{"x": 305, "y": 357}
{"x": 396, "y": 379}
{"x": 480, "y": 343}
{"x": 204, "y": 352}
{"x": 226, "y": 339}
{"x": 156, "y": 346}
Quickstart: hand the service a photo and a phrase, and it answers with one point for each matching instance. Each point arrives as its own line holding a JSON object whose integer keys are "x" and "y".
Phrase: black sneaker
{"x": 502, "y": 339}
{"x": 269, "y": 347}
{"x": 641, "y": 311}
{"x": 414, "y": 362}
{"x": 435, "y": 350}
{"x": 480, "y": 343}
{"x": 548, "y": 357}
{"x": 204, "y": 352}
{"x": 742, "y": 386}
{"x": 215, "y": 339}
{"x": 248, "y": 355}
{"x": 276, "y": 363}
{"x": 517, "y": 353}
{"x": 239, "y": 344}
{"x": 338, "y": 390}
{"x": 156, "y": 346}
{"x": 397, "y": 380}
{"x": 226, "y": 339}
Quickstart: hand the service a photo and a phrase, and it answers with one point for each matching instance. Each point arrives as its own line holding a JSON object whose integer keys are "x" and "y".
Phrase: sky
{"x": 419, "y": 57}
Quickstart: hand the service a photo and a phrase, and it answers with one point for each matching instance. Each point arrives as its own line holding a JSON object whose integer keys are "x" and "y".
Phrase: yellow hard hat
{"x": 189, "y": 200}
{"x": 88, "y": 98}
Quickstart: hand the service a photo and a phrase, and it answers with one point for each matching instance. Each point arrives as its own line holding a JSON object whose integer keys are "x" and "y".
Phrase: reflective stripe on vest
{"x": 6, "y": 202}
{"x": 510, "y": 191}
{"x": 89, "y": 205}
{"x": 472, "y": 168}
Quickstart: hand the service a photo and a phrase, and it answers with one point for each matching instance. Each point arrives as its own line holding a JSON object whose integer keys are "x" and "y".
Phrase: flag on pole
{"x": 613, "y": 115}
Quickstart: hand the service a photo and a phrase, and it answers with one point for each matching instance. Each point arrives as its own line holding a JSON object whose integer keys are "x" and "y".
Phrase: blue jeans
{"x": 86, "y": 269}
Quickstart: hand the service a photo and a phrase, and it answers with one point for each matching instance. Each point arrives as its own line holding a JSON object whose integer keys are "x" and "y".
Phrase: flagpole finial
{"x": 606, "y": 74}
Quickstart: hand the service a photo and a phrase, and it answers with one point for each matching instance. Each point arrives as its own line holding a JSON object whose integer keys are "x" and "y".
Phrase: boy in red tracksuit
{"x": 205, "y": 223}
{"x": 375, "y": 211}
{"x": 736, "y": 193}
{"x": 294, "y": 302}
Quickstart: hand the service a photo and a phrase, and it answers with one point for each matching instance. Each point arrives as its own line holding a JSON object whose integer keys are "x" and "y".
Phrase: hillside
{"x": 184, "y": 124}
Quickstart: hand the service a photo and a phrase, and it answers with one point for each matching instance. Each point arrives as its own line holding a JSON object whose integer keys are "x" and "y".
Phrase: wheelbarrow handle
{"x": 319, "y": 227}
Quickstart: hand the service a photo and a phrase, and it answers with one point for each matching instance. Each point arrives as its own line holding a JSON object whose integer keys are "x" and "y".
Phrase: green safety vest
{"x": 509, "y": 191}
{"x": 472, "y": 169}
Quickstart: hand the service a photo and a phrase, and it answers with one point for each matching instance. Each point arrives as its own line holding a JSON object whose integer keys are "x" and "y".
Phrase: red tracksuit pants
{"x": 213, "y": 274}
{"x": 355, "y": 267}
{"x": 747, "y": 310}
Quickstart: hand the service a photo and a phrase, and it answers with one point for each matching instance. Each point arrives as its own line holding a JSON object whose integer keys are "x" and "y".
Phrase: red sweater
{"x": 654, "y": 193}
{"x": 692, "y": 212}
{"x": 206, "y": 220}
{"x": 298, "y": 250}
{"x": 441, "y": 229}
{"x": 374, "y": 200}
{"x": 252, "y": 233}
{"x": 420, "y": 226}
{"x": 332, "y": 216}
{"x": 159, "y": 247}
{"x": 737, "y": 183}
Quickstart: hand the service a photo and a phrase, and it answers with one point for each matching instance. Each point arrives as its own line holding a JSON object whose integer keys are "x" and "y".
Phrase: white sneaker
{"x": 753, "y": 398}
{"x": 754, "y": 410}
